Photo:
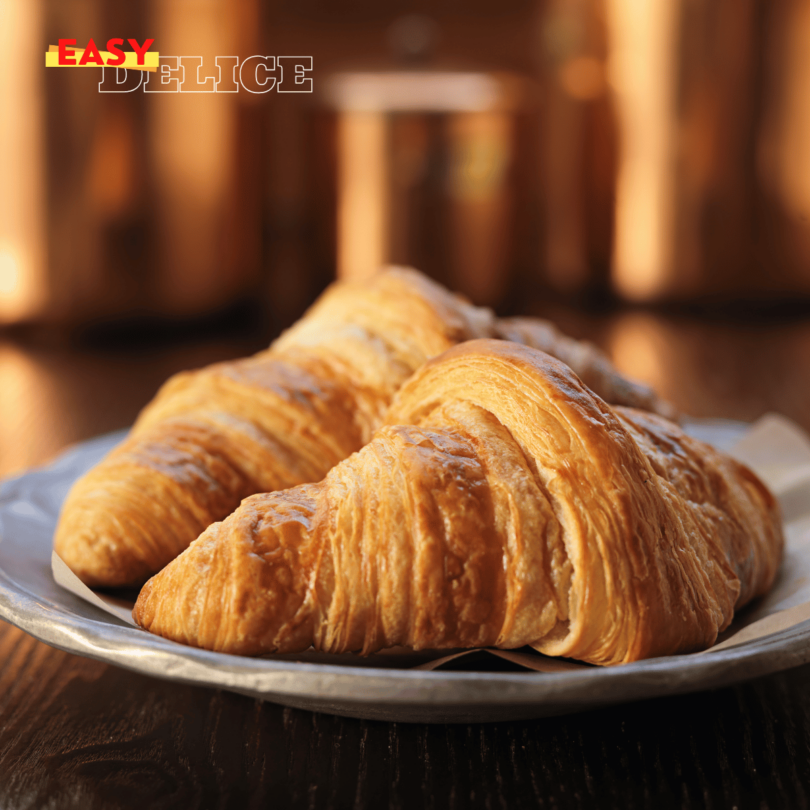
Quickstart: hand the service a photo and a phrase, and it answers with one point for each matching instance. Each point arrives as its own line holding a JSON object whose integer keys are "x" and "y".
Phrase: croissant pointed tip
{"x": 144, "y": 611}
{"x": 182, "y": 617}
{"x": 99, "y": 557}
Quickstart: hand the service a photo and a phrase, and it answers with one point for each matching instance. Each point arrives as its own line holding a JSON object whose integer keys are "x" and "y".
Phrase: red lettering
{"x": 141, "y": 49}
{"x": 91, "y": 54}
{"x": 119, "y": 55}
{"x": 65, "y": 55}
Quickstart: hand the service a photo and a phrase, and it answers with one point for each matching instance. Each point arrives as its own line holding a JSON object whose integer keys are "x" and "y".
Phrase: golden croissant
{"x": 502, "y": 504}
{"x": 283, "y": 417}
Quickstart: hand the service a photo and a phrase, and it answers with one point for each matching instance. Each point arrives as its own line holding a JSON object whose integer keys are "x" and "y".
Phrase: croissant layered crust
{"x": 502, "y": 504}
{"x": 588, "y": 362}
{"x": 283, "y": 417}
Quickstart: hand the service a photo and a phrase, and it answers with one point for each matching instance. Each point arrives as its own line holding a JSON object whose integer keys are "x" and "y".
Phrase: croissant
{"x": 502, "y": 504}
{"x": 283, "y": 417}
{"x": 586, "y": 361}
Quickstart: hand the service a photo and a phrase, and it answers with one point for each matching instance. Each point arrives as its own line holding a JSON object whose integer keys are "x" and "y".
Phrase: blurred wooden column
{"x": 481, "y": 234}
{"x": 643, "y": 71}
{"x": 128, "y": 203}
{"x": 674, "y": 148}
{"x": 23, "y": 254}
{"x": 363, "y": 216}
{"x": 207, "y": 226}
{"x": 425, "y": 175}
{"x": 783, "y": 154}
{"x": 578, "y": 147}
{"x": 713, "y": 196}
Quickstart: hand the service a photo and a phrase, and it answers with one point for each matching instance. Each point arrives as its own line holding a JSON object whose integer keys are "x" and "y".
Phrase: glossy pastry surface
{"x": 283, "y": 417}
{"x": 502, "y": 504}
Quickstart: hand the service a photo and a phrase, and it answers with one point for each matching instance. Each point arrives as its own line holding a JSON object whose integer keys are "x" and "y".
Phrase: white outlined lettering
{"x": 162, "y": 80}
{"x": 192, "y": 83}
{"x": 249, "y": 74}
{"x": 228, "y": 81}
{"x": 292, "y": 74}
{"x": 112, "y": 80}
{"x": 187, "y": 74}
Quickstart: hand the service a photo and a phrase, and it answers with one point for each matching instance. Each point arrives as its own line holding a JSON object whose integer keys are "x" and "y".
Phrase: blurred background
{"x": 638, "y": 171}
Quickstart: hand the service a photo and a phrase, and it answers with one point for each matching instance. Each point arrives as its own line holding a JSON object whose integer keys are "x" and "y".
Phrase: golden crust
{"x": 590, "y": 364}
{"x": 283, "y": 417}
{"x": 502, "y": 504}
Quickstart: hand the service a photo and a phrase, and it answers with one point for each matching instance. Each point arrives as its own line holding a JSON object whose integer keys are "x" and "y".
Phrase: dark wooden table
{"x": 75, "y": 733}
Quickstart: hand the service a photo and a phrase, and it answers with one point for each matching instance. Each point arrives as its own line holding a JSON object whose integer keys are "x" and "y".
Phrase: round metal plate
{"x": 31, "y": 600}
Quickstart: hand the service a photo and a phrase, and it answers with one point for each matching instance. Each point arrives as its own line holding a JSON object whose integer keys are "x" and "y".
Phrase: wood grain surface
{"x": 75, "y": 733}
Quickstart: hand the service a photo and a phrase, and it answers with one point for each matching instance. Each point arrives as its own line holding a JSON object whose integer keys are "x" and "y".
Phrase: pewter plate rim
{"x": 403, "y": 695}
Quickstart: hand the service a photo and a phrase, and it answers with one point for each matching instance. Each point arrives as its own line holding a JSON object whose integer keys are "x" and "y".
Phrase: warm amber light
{"x": 22, "y": 230}
{"x": 480, "y": 148}
{"x": 27, "y": 388}
{"x": 193, "y": 146}
{"x": 363, "y": 194}
{"x": 9, "y": 273}
{"x": 583, "y": 78}
{"x": 112, "y": 172}
{"x": 419, "y": 91}
{"x": 641, "y": 70}
{"x": 636, "y": 345}
{"x": 785, "y": 154}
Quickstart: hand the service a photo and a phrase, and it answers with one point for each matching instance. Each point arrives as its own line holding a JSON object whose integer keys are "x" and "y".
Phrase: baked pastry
{"x": 589, "y": 363}
{"x": 502, "y": 504}
{"x": 283, "y": 417}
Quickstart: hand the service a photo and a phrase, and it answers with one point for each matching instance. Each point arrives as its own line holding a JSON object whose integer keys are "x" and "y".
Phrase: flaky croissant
{"x": 503, "y": 504}
{"x": 283, "y": 417}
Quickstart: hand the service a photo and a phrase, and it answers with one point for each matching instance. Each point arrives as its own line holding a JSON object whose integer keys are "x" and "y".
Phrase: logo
{"x": 65, "y": 54}
{"x": 127, "y": 71}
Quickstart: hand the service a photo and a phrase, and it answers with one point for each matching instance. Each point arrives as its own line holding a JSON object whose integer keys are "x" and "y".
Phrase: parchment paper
{"x": 774, "y": 447}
